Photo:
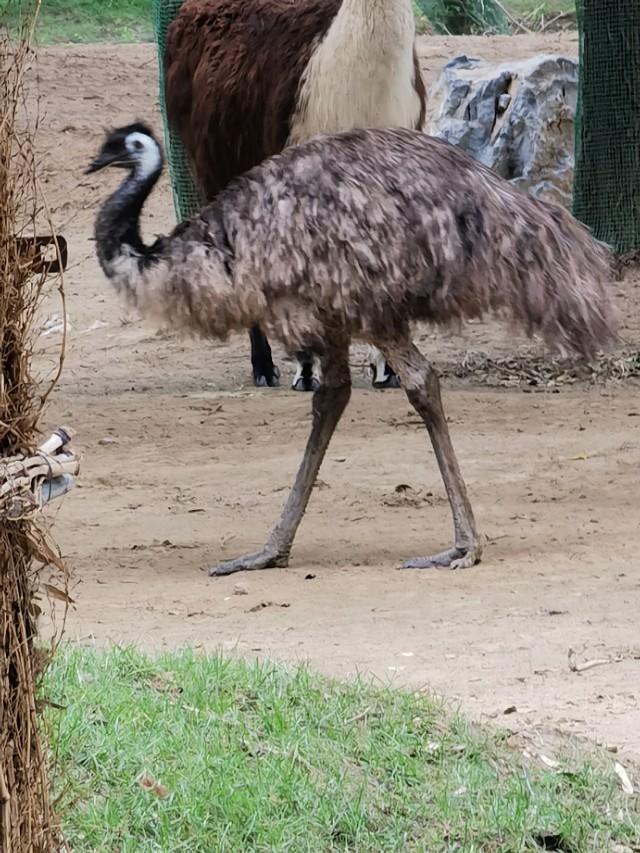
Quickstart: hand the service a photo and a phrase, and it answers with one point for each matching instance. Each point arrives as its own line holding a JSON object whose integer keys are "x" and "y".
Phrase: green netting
{"x": 186, "y": 199}
{"x": 607, "y": 176}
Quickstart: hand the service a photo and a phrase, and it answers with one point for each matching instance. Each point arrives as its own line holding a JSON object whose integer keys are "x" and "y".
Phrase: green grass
{"x": 89, "y": 20}
{"x": 130, "y": 20}
{"x": 258, "y": 758}
{"x": 538, "y": 8}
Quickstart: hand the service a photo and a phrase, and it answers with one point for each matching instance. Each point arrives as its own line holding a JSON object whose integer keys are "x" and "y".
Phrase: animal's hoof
{"x": 305, "y": 383}
{"x": 267, "y": 379}
{"x": 454, "y": 558}
{"x": 391, "y": 380}
{"x": 267, "y": 559}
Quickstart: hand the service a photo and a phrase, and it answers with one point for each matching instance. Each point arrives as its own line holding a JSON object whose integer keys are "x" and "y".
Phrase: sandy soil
{"x": 185, "y": 462}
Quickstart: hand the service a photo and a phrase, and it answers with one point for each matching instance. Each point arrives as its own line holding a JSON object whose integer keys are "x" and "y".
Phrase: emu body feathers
{"x": 369, "y": 231}
{"x": 245, "y": 78}
{"x": 358, "y": 235}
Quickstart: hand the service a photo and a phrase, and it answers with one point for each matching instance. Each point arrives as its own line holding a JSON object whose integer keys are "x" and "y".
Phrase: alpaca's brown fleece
{"x": 233, "y": 70}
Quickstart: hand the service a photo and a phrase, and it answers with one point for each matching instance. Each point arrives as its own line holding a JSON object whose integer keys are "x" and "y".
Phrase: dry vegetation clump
{"x": 26, "y": 822}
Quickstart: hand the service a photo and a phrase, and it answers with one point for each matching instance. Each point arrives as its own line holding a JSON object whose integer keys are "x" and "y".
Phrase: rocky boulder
{"x": 516, "y": 117}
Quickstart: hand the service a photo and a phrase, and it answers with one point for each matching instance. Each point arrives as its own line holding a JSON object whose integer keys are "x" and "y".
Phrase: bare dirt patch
{"x": 185, "y": 462}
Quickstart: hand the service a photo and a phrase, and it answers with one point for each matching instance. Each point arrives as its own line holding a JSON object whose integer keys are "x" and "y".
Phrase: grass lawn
{"x": 130, "y": 20}
{"x": 195, "y": 753}
{"x": 538, "y": 8}
{"x": 89, "y": 20}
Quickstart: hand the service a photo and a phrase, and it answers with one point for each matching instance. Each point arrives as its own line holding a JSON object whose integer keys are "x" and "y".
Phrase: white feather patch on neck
{"x": 146, "y": 153}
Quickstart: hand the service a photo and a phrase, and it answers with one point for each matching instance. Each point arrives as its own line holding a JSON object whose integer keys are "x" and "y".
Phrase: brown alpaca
{"x": 358, "y": 236}
{"x": 245, "y": 78}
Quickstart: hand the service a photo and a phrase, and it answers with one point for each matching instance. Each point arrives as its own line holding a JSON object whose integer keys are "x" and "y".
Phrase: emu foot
{"x": 306, "y": 383}
{"x": 265, "y": 559}
{"x": 387, "y": 380}
{"x": 266, "y": 376}
{"x": 454, "y": 558}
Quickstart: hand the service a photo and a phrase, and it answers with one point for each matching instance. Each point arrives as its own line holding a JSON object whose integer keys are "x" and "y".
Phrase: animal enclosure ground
{"x": 185, "y": 462}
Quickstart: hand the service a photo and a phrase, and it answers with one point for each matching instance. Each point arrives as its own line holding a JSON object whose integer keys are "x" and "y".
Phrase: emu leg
{"x": 329, "y": 402}
{"x": 308, "y": 374}
{"x": 423, "y": 390}
{"x": 264, "y": 371}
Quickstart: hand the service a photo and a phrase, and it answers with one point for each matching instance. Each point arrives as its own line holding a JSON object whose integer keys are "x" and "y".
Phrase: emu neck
{"x": 118, "y": 222}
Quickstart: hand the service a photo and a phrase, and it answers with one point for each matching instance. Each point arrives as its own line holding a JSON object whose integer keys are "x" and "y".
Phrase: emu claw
{"x": 268, "y": 379}
{"x": 266, "y": 559}
{"x": 304, "y": 383}
{"x": 454, "y": 558}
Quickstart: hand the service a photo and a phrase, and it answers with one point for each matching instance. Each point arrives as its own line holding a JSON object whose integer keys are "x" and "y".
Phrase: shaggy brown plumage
{"x": 305, "y": 240}
{"x": 234, "y": 75}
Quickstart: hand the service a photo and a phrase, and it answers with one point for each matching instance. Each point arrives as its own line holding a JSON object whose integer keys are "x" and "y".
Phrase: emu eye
{"x": 138, "y": 145}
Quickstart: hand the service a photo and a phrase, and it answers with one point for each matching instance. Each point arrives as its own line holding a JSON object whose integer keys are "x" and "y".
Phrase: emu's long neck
{"x": 184, "y": 278}
{"x": 118, "y": 222}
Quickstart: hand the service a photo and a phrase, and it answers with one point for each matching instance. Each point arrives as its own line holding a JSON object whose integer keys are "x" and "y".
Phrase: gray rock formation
{"x": 517, "y": 118}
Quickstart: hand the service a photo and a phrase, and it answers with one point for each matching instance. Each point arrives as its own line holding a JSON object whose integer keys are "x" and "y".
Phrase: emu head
{"x": 133, "y": 147}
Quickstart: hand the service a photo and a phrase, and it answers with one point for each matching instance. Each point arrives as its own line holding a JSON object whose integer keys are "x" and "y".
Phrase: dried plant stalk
{"x": 26, "y": 822}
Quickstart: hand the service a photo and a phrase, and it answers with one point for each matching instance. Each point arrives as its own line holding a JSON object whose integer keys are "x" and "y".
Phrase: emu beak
{"x": 103, "y": 160}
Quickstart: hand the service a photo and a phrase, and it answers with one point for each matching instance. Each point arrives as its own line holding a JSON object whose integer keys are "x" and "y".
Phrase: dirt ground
{"x": 186, "y": 463}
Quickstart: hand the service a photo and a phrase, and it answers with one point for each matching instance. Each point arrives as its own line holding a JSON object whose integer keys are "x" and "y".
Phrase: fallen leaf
{"x": 165, "y": 682}
{"x": 264, "y": 604}
{"x": 148, "y": 783}
{"x": 59, "y": 594}
{"x": 623, "y": 776}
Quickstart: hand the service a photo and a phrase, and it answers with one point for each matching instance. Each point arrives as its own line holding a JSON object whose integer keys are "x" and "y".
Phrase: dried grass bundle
{"x": 26, "y": 822}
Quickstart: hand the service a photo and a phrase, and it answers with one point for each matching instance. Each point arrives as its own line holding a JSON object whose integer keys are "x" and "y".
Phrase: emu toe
{"x": 266, "y": 559}
{"x": 454, "y": 558}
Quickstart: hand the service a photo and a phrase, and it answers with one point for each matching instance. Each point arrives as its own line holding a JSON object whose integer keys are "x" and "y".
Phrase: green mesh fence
{"x": 607, "y": 176}
{"x": 186, "y": 198}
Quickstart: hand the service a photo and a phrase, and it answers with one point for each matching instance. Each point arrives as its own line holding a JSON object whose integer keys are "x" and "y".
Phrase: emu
{"x": 357, "y": 235}
{"x": 245, "y": 78}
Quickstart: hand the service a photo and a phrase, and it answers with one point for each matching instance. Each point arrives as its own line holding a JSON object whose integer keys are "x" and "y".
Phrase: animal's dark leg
{"x": 307, "y": 377}
{"x": 423, "y": 390}
{"x": 264, "y": 371}
{"x": 329, "y": 402}
{"x": 384, "y": 376}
